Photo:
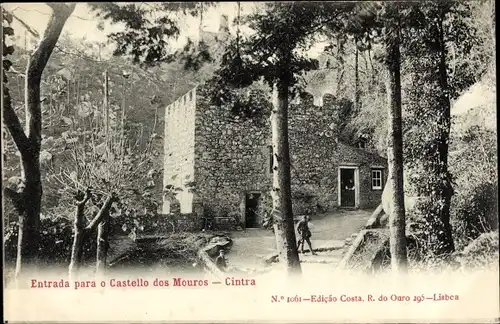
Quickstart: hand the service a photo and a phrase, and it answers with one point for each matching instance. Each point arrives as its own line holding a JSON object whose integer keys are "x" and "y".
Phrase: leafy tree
{"x": 73, "y": 146}
{"x": 439, "y": 27}
{"x": 29, "y": 143}
{"x": 148, "y": 29}
{"x": 7, "y": 51}
{"x": 370, "y": 23}
{"x": 143, "y": 39}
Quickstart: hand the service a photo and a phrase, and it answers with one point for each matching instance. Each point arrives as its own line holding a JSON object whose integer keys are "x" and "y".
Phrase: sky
{"x": 83, "y": 25}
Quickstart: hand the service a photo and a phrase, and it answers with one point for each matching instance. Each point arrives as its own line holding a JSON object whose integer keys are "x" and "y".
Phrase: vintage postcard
{"x": 303, "y": 162}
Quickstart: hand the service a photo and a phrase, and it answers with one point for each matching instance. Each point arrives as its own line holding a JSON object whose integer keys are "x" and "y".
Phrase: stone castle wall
{"x": 229, "y": 157}
{"x": 232, "y": 159}
{"x": 179, "y": 143}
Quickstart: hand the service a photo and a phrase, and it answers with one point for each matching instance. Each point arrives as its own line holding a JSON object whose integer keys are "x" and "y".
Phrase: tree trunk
{"x": 357, "y": 100}
{"x": 122, "y": 127}
{"x": 397, "y": 221}
{"x": 106, "y": 112}
{"x": 151, "y": 138}
{"x": 340, "y": 66}
{"x": 29, "y": 221}
{"x": 102, "y": 244}
{"x": 79, "y": 238}
{"x": 281, "y": 192}
{"x": 83, "y": 233}
{"x": 372, "y": 70}
{"x": 29, "y": 145}
{"x": 493, "y": 34}
{"x": 431, "y": 123}
{"x": 444, "y": 189}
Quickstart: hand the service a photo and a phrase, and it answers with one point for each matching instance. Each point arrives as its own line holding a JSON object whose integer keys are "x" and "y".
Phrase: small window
{"x": 376, "y": 179}
{"x": 271, "y": 158}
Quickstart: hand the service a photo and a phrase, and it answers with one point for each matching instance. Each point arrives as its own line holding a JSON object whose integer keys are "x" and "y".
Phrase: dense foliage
{"x": 437, "y": 77}
{"x": 146, "y": 74}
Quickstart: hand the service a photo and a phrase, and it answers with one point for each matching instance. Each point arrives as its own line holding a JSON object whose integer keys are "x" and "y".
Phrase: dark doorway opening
{"x": 347, "y": 188}
{"x": 252, "y": 203}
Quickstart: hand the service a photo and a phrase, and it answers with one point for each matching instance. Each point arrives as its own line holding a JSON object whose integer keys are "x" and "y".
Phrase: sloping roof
{"x": 366, "y": 155}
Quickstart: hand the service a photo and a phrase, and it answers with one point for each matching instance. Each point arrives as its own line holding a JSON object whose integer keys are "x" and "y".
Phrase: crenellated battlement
{"x": 310, "y": 99}
{"x": 186, "y": 99}
{"x": 304, "y": 98}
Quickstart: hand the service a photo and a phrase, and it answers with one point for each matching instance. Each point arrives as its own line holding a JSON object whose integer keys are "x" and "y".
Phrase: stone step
{"x": 330, "y": 259}
{"x": 325, "y": 245}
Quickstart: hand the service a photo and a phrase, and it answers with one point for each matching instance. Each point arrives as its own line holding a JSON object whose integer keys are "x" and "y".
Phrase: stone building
{"x": 221, "y": 163}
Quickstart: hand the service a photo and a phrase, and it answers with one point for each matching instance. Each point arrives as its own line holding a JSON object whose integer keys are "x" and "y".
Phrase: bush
{"x": 136, "y": 224}
{"x": 56, "y": 240}
{"x": 474, "y": 212}
{"x": 178, "y": 251}
{"x": 57, "y": 235}
{"x": 482, "y": 252}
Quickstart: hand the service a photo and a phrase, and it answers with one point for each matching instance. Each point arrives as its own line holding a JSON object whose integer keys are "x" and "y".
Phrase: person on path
{"x": 220, "y": 261}
{"x": 304, "y": 234}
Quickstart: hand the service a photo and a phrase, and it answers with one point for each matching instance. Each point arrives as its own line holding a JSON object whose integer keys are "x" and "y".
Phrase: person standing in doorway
{"x": 304, "y": 234}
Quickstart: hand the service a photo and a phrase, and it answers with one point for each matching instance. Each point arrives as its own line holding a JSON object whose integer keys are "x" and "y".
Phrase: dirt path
{"x": 331, "y": 229}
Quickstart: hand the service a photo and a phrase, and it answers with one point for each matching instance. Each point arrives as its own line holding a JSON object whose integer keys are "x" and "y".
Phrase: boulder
{"x": 271, "y": 258}
{"x": 217, "y": 243}
{"x": 481, "y": 252}
{"x": 367, "y": 251}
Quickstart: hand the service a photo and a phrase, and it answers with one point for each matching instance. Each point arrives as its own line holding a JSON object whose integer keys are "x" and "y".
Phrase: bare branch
{"x": 37, "y": 35}
{"x": 46, "y": 14}
{"x": 86, "y": 198}
{"x": 16, "y": 72}
{"x": 102, "y": 212}
{"x": 25, "y": 25}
